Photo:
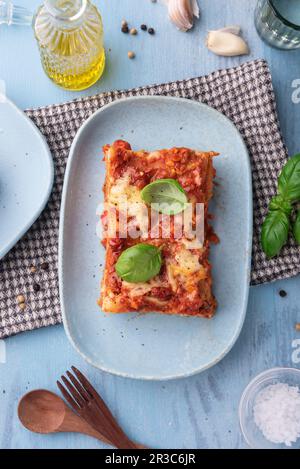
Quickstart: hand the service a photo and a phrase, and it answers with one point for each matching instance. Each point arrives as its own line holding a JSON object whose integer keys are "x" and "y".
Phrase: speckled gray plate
{"x": 26, "y": 174}
{"x": 154, "y": 346}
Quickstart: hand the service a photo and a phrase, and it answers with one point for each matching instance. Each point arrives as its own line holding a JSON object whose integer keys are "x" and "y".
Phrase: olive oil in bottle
{"x": 70, "y": 38}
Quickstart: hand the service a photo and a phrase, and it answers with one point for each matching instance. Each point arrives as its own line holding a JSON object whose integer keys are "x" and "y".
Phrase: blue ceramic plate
{"x": 154, "y": 346}
{"x": 26, "y": 174}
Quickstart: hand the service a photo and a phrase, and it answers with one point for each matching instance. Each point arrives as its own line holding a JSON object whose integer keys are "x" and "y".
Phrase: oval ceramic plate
{"x": 26, "y": 174}
{"x": 154, "y": 346}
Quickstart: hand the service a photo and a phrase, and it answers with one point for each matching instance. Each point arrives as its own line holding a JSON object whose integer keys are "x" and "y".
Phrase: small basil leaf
{"x": 139, "y": 263}
{"x": 165, "y": 195}
{"x": 275, "y": 231}
{"x": 279, "y": 203}
{"x": 289, "y": 179}
{"x": 296, "y": 228}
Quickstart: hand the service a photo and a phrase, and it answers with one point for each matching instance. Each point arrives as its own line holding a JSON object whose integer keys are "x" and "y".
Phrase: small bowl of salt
{"x": 269, "y": 410}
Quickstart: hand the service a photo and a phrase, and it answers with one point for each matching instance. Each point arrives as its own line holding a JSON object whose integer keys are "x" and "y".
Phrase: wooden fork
{"x": 87, "y": 403}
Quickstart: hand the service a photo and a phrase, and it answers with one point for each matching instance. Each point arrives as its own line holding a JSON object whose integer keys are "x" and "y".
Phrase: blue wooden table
{"x": 202, "y": 411}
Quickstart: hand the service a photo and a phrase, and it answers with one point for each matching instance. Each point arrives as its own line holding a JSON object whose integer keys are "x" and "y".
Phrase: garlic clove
{"x": 226, "y": 43}
{"x": 235, "y": 29}
{"x": 195, "y": 8}
{"x": 182, "y": 12}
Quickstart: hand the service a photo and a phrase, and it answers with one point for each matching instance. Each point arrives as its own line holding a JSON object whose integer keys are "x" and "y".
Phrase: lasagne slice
{"x": 183, "y": 285}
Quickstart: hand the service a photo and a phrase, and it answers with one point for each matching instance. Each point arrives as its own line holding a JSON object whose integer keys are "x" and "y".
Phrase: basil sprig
{"x": 139, "y": 263}
{"x": 275, "y": 231}
{"x": 276, "y": 227}
{"x": 165, "y": 196}
{"x": 289, "y": 180}
{"x": 279, "y": 203}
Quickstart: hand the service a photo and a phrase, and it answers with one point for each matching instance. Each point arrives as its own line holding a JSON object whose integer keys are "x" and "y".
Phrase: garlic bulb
{"x": 227, "y": 42}
{"x": 182, "y": 12}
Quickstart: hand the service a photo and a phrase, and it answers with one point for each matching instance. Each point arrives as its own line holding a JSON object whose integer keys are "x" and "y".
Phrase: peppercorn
{"x": 32, "y": 269}
{"x": 151, "y": 31}
{"x": 36, "y": 287}
{"x": 133, "y": 32}
{"x": 144, "y": 27}
{"x": 22, "y": 306}
{"x": 45, "y": 266}
{"x": 20, "y": 299}
{"x": 125, "y": 29}
{"x": 297, "y": 326}
{"x": 131, "y": 55}
{"x": 283, "y": 293}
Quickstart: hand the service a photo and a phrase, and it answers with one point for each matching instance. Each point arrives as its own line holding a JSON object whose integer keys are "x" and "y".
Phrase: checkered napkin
{"x": 244, "y": 94}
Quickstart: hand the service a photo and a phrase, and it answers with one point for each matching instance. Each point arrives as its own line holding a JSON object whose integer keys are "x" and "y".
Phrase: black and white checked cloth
{"x": 244, "y": 94}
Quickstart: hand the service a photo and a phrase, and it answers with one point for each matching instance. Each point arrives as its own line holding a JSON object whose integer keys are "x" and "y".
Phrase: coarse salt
{"x": 277, "y": 413}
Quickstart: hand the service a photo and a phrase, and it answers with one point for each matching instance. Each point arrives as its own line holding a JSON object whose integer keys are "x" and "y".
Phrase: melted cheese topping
{"x": 171, "y": 278}
{"x": 142, "y": 288}
{"x": 182, "y": 268}
{"x": 187, "y": 270}
{"x": 188, "y": 261}
{"x": 121, "y": 191}
{"x": 127, "y": 197}
{"x": 192, "y": 243}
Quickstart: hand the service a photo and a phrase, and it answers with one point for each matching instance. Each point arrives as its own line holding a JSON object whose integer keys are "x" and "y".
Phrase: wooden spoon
{"x": 42, "y": 411}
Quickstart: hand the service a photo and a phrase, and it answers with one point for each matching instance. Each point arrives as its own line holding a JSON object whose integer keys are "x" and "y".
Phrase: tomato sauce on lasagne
{"x": 184, "y": 283}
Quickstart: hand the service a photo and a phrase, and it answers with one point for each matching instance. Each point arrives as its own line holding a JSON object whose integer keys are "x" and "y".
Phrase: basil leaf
{"x": 139, "y": 263}
{"x": 165, "y": 195}
{"x": 296, "y": 228}
{"x": 289, "y": 179}
{"x": 275, "y": 231}
{"x": 279, "y": 203}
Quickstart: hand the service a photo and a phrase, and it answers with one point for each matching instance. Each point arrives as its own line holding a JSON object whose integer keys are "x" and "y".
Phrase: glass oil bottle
{"x": 70, "y": 38}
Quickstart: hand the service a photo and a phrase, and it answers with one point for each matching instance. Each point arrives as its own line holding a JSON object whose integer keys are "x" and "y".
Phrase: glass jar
{"x": 70, "y": 38}
{"x": 278, "y": 22}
